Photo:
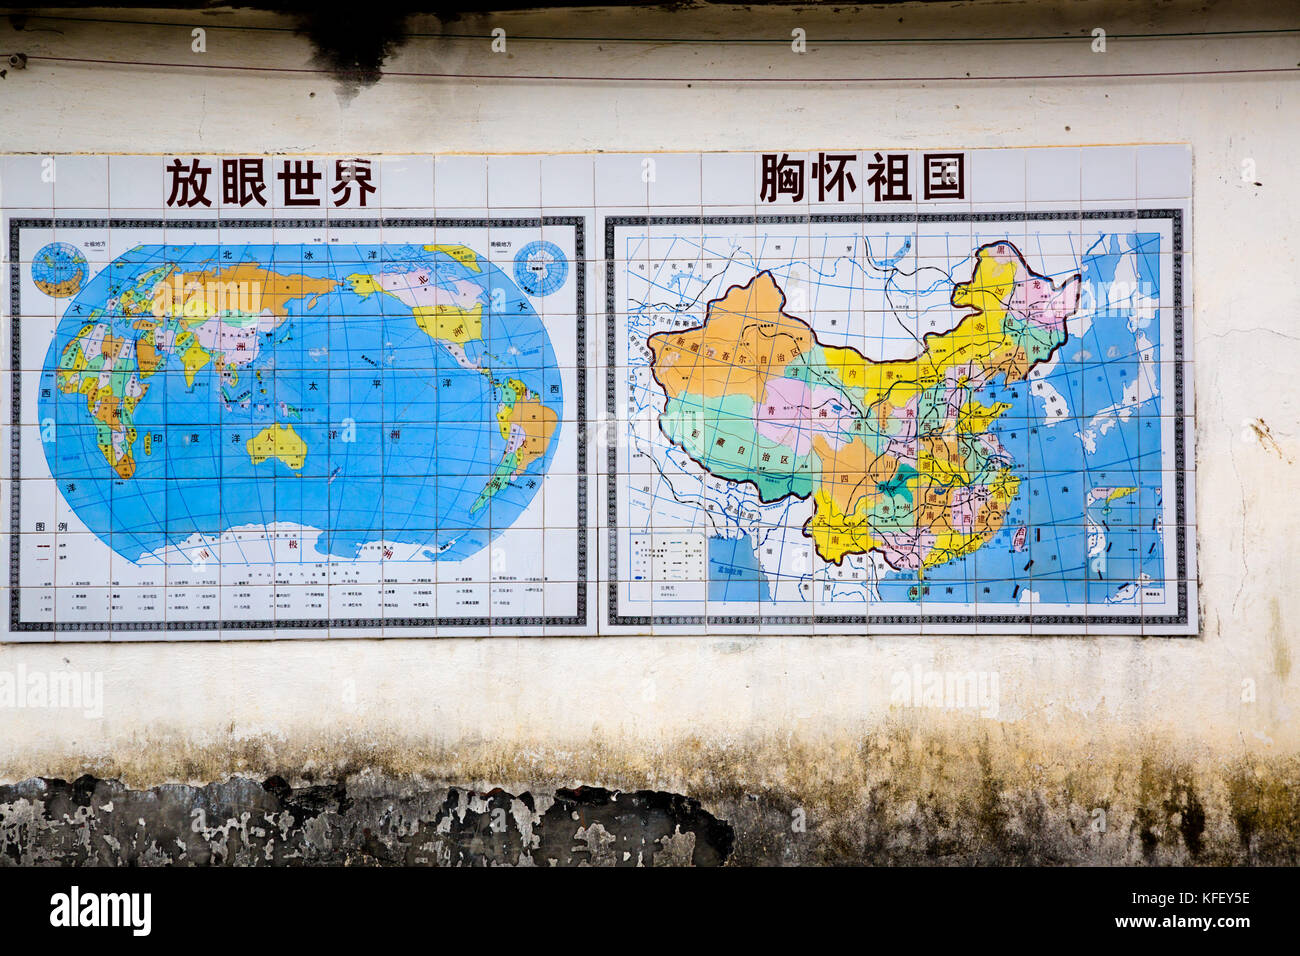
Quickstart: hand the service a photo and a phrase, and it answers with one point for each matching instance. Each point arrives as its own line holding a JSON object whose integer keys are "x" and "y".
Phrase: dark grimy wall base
{"x": 891, "y": 798}
{"x": 245, "y": 822}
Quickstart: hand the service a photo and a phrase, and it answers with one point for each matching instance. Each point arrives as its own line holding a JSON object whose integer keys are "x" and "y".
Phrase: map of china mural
{"x": 897, "y": 457}
{"x": 848, "y": 430}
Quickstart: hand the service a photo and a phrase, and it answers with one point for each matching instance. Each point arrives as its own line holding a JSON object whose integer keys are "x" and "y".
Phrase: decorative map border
{"x": 1175, "y": 217}
{"x": 580, "y": 278}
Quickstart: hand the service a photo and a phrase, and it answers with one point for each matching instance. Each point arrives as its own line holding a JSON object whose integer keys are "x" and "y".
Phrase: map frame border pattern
{"x": 17, "y": 224}
{"x": 1173, "y": 214}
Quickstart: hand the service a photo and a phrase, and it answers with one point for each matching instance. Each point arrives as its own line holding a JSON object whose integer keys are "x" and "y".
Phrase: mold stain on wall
{"x": 907, "y": 796}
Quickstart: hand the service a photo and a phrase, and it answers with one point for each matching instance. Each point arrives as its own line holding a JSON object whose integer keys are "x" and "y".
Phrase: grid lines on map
{"x": 1070, "y": 527}
{"x": 213, "y": 439}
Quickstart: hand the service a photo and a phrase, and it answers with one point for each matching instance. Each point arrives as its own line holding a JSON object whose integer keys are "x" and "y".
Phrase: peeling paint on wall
{"x": 903, "y": 797}
{"x": 241, "y": 822}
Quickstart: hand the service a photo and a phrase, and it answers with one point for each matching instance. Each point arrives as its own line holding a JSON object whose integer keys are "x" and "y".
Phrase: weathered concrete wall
{"x": 896, "y": 797}
{"x": 1190, "y": 747}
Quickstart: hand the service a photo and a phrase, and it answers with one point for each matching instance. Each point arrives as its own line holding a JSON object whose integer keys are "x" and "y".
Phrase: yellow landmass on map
{"x": 896, "y": 455}
{"x": 193, "y": 355}
{"x": 537, "y": 421}
{"x": 450, "y": 323}
{"x": 244, "y": 287}
{"x": 462, "y": 254}
{"x": 278, "y": 441}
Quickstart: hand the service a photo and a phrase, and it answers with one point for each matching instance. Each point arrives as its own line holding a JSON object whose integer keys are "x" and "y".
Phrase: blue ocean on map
{"x": 372, "y": 429}
{"x": 1058, "y": 470}
{"x": 734, "y": 571}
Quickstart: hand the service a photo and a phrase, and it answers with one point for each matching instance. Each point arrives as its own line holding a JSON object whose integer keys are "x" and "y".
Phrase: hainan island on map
{"x": 386, "y": 393}
{"x": 897, "y": 456}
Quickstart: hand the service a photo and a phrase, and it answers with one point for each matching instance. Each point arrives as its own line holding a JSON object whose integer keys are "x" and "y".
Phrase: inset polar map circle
{"x": 364, "y": 402}
{"x": 59, "y": 270}
{"x": 541, "y": 268}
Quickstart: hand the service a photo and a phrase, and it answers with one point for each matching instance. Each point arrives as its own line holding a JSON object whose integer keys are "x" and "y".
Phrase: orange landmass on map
{"x": 746, "y": 338}
{"x": 538, "y": 423}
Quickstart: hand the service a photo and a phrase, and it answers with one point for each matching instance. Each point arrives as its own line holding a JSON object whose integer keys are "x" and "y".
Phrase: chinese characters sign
{"x": 890, "y": 176}
{"x": 244, "y": 182}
